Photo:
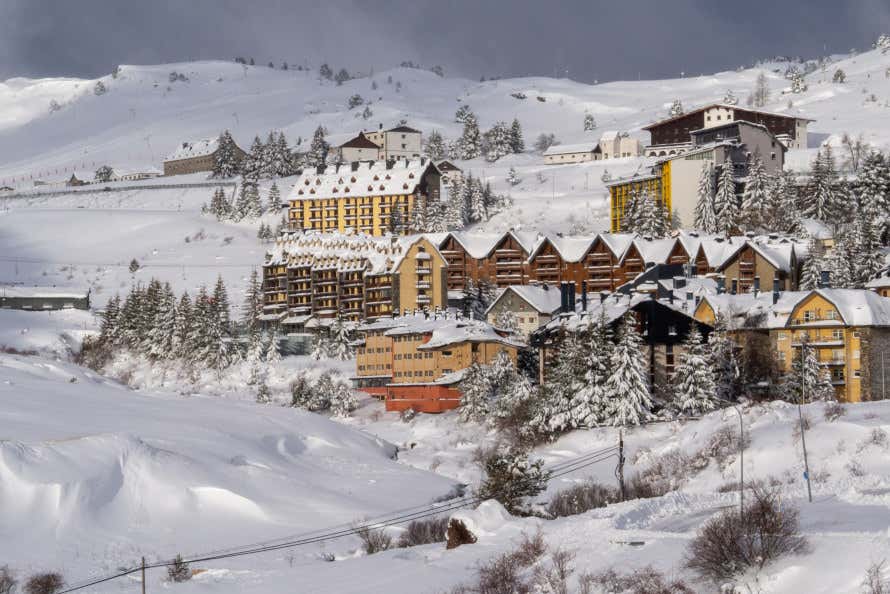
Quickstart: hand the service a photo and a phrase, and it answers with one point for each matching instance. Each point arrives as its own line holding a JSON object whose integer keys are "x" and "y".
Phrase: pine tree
{"x": 109, "y": 333}
{"x": 162, "y": 335}
{"x": 252, "y": 165}
{"x": 268, "y": 159}
{"x": 254, "y": 359}
{"x": 512, "y": 178}
{"x": 588, "y": 406}
{"x": 340, "y": 346}
{"x": 694, "y": 386}
{"x": 470, "y": 143}
{"x": 798, "y": 84}
{"x": 589, "y": 122}
{"x": 839, "y": 77}
{"x": 343, "y": 400}
{"x": 248, "y": 205}
{"x": 810, "y": 269}
{"x": 435, "y": 146}
{"x": 225, "y": 161}
{"x": 510, "y": 477}
{"x": 221, "y": 305}
{"x": 724, "y": 362}
{"x": 651, "y": 219}
{"x": 754, "y": 198}
{"x": 498, "y": 142}
{"x": 274, "y": 198}
{"x": 263, "y": 393}
{"x": 321, "y": 348}
{"x": 460, "y": 116}
{"x": 726, "y": 203}
{"x": 322, "y": 394}
{"x": 301, "y": 391}
{"x": 318, "y": 150}
{"x": 517, "y": 143}
{"x": 475, "y": 200}
{"x": 475, "y": 393}
{"x": 783, "y": 214}
{"x": 627, "y": 385}
{"x": 676, "y": 109}
{"x": 325, "y": 72}
{"x": 730, "y": 98}
{"x": 807, "y": 382}
{"x": 564, "y": 381}
{"x": 184, "y": 327}
{"x": 705, "y": 219}
{"x": 820, "y": 200}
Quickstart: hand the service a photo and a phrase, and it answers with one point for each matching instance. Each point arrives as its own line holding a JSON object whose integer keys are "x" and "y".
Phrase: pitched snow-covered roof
{"x": 543, "y": 299}
{"x": 617, "y": 242}
{"x": 375, "y": 178}
{"x": 374, "y": 255}
{"x": 747, "y": 310}
{"x": 198, "y": 148}
{"x": 654, "y": 250}
{"x": 360, "y": 141}
{"x": 610, "y": 135}
{"x": 637, "y": 177}
{"x": 42, "y": 292}
{"x": 723, "y": 105}
{"x": 477, "y": 245}
{"x": 444, "y": 330}
{"x": 816, "y": 229}
{"x": 566, "y": 149}
{"x": 571, "y": 249}
{"x": 405, "y": 129}
{"x": 858, "y": 307}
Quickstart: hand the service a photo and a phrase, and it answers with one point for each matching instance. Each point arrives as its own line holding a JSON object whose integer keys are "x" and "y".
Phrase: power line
{"x": 341, "y": 530}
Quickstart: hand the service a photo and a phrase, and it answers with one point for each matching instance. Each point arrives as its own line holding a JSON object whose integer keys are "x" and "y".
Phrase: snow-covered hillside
{"x": 89, "y": 239}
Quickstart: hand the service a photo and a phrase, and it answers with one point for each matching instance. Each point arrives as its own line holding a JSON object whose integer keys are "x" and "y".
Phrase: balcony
{"x": 422, "y": 285}
{"x": 423, "y": 270}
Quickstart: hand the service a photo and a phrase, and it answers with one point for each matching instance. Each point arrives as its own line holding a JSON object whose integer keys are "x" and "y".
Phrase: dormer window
{"x": 340, "y": 181}
{"x": 346, "y": 189}
{"x": 311, "y": 190}
{"x": 318, "y": 182}
{"x": 382, "y": 187}
{"x": 300, "y": 192}
{"x": 370, "y": 188}
{"x": 376, "y": 177}
{"x": 387, "y": 176}
{"x": 352, "y": 179}
{"x": 410, "y": 176}
{"x": 334, "y": 190}
{"x": 307, "y": 182}
{"x": 404, "y": 186}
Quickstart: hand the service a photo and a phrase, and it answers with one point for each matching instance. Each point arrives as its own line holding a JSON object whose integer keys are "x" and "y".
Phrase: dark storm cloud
{"x": 586, "y": 39}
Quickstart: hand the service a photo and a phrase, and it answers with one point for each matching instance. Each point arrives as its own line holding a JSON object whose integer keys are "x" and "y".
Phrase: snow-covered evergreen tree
{"x": 162, "y": 334}
{"x": 301, "y": 391}
{"x": 807, "y": 380}
{"x": 475, "y": 393}
{"x": 248, "y": 205}
{"x": 726, "y": 202}
{"x": 564, "y": 381}
{"x": 318, "y": 149}
{"x": 676, "y": 109}
{"x": 517, "y": 142}
{"x": 820, "y": 201}
{"x": 798, "y": 84}
{"x": 627, "y": 385}
{"x": 730, "y": 98}
{"x": 435, "y": 146}
{"x": 474, "y": 200}
{"x": 754, "y": 198}
{"x": 225, "y": 162}
{"x": 252, "y": 165}
{"x": 651, "y": 219}
{"x": 512, "y": 178}
{"x": 782, "y": 214}
{"x": 263, "y": 393}
{"x": 810, "y": 269}
{"x": 588, "y": 407}
{"x": 507, "y": 321}
{"x": 460, "y": 116}
{"x": 340, "y": 346}
{"x": 343, "y": 400}
{"x": 274, "y": 198}
{"x": 589, "y": 122}
{"x": 723, "y": 360}
{"x": 694, "y": 386}
{"x": 185, "y": 322}
{"x": 470, "y": 142}
{"x": 705, "y": 219}
{"x": 498, "y": 142}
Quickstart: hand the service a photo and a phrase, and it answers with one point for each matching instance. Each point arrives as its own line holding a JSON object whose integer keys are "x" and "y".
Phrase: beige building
{"x": 401, "y": 142}
{"x": 529, "y": 306}
{"x": 562, "y": 154}
{"x": 359, "y": 148}
{"x": 619, "y": 145}
{"x": 374, "y": 198}
{"x": 195, "y": 157}
{"x": 311, "y": 277}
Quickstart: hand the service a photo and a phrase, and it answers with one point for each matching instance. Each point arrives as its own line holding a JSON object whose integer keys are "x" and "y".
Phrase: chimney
{"x": 721, "y": 285}
{"x": 689, "y": 295}
{"x": 776, "y": 289}
{"x": 679, "y": 282}
{"x": 354, "y": 165}
{"x": 735, "y": 286}
{"x": 756, "y": 285}
{"x": 824, "y": 279}
{"x": 603, "y": 296}
{"x": 571, "y": 291}
{"x": 671, "y": 296}
{"x": 584, "y": 295}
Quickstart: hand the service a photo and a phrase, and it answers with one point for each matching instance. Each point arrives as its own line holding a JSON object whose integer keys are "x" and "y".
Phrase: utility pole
{"x": 620, "y": 469}
{"x": 883, "y": 382}
{"x": 143, "y": 575}
{"x": 803, "y": 438}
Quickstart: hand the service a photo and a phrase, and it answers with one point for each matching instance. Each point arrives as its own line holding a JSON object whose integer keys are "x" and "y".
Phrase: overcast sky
{"x": 584, "y": 39}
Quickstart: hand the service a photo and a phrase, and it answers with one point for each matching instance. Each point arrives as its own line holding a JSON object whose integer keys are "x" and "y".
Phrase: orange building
{"x": 415, "y": 362}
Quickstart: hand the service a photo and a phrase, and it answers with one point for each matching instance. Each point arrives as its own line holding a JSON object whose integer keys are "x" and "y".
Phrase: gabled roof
{"x": 618, "y": 243}
{"x": 368, "y": 179}
{"x": 543, "y": 299}
{"x": 570, "y": 249}
{"x": 190, "y": 150}
{"x": 406, "y": 129}
{"x": 360, "y": 141}
{"x": 778, "y": 255}
{"x": 732, "y": 107}
{"x": 747, "y": 310}
{"x": 857, "y": 307}
{"x": 565, "y": 149}
{"x": 477, "y": 245}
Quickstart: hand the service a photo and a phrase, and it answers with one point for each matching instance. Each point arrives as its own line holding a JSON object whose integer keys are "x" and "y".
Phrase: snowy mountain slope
{"x": 93, "y": 475}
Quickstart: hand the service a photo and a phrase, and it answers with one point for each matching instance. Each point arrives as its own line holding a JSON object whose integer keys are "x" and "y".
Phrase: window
{"x": 446, "y": 353}
{"x": 857, "y": 373}
{"x": 781, "y": 336}
{"x": 837, "y": 333}
{"x": 809, "y": 316}
{"x": 856, "y": 354}
{"x": 855, "y": 334}
{"x": 782, "y": 356}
